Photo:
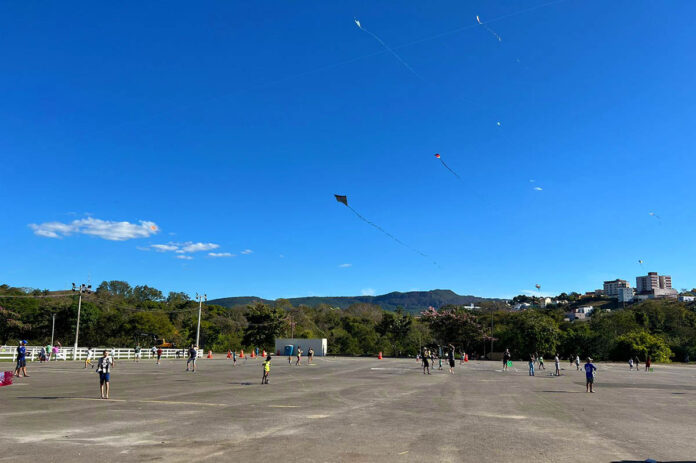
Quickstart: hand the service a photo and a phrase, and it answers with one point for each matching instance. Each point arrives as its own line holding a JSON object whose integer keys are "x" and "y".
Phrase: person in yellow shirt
{"x": 266, "y": 370}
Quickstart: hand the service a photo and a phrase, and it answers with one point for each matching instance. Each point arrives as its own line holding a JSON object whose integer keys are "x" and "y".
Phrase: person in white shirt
{"x": 104, "y": 369}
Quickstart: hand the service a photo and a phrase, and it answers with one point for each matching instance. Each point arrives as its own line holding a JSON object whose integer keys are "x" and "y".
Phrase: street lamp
{"x": 200, "y": 305}
{"x": 82, "y": 289}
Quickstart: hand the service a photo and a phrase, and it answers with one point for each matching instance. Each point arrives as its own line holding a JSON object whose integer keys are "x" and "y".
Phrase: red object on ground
{"x": 229, "y": 354}
{"x": 241, "y": 354}
{"x": 379, "y": 357}
{"x": 263, "y": 354}
{"x": 210, "y": 354}
{"x": 466, "y": 357}
{"x": 6, "y": 378}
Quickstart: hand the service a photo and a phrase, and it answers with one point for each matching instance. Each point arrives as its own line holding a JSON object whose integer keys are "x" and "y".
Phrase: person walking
{"x": 159, "y": 355}
{"x": 506, "y": 359}
{"x": 310, "y": 355}
{"x": 426, "y": 363}
{"x": 630, "y": 364}
{"x": 90, "y": 356}
{"x": 531, "y": 365}
{"x": 557, "y": 360}
{"x": 637, "y": 363}
{"x": 589, "y": 375}
{"x": 21, "y": 359}
{"x": 234, "y": 358}
{"x": 138, "y": 354}
{"x": 191, "y": 358}
{"x": 541, "y": 362}
{"x": 647, "y": 363}
{"x": 104, "y": 369}
{"x": 266, "y": 370}
{"x": 577, "y": 363}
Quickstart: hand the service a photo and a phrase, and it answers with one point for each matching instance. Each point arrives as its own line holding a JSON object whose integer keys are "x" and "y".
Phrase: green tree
{"x": 265, "y": 324}
{"x": 641, "y": 344}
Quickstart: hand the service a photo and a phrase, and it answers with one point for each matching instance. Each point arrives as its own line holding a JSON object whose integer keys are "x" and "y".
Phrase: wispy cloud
{"x": 184, "y": 257}
{"x": 247, "y": 251}
{"x": 220, "y": 254}
{"x": 345, "y": 265}
{"x": 183, "y": 248}
{"x": 367, "y": 292}
{"x": 105, "y": 229}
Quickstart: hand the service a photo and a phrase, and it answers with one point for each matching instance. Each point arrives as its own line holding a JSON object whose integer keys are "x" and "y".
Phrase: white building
{"x": 625, "y": 294}
{"x": 687, "y": 298}
{"x": 580, "y": 313}
{"x": 611, "y": 288}
{"x": 655, "y": 286}
{"x": 319, "y": 345}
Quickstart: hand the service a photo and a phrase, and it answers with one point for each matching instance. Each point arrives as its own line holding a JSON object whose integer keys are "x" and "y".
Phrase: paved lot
{"x": 345, "y": 409}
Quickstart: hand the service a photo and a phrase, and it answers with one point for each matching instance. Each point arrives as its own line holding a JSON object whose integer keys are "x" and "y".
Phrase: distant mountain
{"x": 412, "y": 301}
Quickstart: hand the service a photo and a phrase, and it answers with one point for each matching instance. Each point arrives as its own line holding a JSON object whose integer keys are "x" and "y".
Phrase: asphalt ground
{"x": 347, "y": 409}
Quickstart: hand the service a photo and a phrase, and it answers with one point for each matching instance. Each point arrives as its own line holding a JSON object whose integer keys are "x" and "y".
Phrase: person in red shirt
{"x": 159, "y": 355}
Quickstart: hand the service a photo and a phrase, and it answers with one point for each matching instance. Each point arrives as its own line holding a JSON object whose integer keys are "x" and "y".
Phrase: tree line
{"x": 117, "y": 314}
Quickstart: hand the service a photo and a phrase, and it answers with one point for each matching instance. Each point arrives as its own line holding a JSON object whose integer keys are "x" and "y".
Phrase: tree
{"x": 641, "y": 344}
{"x": 10, "y": 325}
{"x": 115, "y": 288}
{"x": 395, "y": 327}
{"x": 265, "y": 324}
{"x": 146, "y": 293}
{"x": 453, "y": 326}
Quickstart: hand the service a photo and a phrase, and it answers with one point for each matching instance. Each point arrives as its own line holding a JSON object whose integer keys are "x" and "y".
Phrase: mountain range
{"x": 411, "y": 301}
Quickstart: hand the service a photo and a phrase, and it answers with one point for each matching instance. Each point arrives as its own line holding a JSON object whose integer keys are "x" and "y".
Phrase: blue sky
{"x": 227, "y": 127}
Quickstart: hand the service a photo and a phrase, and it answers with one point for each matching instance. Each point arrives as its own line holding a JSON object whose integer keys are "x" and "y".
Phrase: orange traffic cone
{"x": 466, "y": 357}
{"x": 210, "y": 354}
{"x": 263, "y": 354}
{"x": 241, "y": 354}
{"x": 253, "y": 355}
{"x": 379, "y": 356}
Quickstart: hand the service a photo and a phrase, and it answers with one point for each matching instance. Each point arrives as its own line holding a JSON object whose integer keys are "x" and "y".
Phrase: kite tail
{"x": 389, "y": 234}
{"x": 448, "y": 168}
{"x": 396, "y": 55}
{"x": 492, "y": 32}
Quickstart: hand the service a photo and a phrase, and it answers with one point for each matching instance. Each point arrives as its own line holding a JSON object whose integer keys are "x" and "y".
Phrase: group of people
{"x": 298, "y": 354}
{"x": 636, "y": 363}
{"x": 428, "y": 358}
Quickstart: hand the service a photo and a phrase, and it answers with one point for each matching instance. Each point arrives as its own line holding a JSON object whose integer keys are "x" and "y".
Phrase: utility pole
{"x": 53, "y": 329}
{"x": 200, "y": 306}
{"x": 82, "y": 289}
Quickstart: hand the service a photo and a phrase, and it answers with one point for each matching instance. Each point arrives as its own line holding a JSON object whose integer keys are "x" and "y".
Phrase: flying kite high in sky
{"x": 654, "y": 215}
{"x": 488, "y": 29}
{"x": 437, "y": 155}
{"x": 344, "y": 200}
{"x": 386, "y": 47}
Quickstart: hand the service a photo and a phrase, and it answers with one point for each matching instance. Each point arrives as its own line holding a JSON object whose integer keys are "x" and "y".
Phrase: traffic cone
{"x": 466, "y": 357}
{"x": 379, "y": 356}
{"x": 263, "y": 354}
{"x": 253, "y": 355}
{"x": 210, "y": 354}
{"x": 241, "y": 354}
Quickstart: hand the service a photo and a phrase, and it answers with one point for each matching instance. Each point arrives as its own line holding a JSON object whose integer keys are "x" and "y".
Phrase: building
{"x": 655, "y": 286}
{"x": 687, "y": 298}
{"x": 580, "y": 313}
{"x": 611, "y": 288}
{"x": 289, "y": 346}
{"x": 625, "y": 294}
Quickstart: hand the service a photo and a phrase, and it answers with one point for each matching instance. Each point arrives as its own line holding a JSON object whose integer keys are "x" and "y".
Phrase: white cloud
{"x": 165, "y": 247}
{"x": 105, "y": 229}
{"x": 345, "y": 265}
{"x": 247, "y": 251}
{"x": 220, "y": 254}
{"x": 196, "y": 247}
{"x": 367, "y": 292}
{"x": 181, "y": 256}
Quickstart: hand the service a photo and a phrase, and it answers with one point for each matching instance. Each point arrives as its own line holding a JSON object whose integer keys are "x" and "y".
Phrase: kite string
{"x": 395, "y": 54}
{"x": 448, "y": 168}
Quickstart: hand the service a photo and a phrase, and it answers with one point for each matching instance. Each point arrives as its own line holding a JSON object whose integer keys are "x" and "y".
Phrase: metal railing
{"x": 66, "y": 353}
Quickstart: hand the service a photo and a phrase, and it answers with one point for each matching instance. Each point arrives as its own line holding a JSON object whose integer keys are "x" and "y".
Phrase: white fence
{"x": 66, "y": 353}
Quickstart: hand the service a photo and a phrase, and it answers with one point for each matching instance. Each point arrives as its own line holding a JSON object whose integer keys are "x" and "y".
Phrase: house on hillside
{"x": 580, "y": 313}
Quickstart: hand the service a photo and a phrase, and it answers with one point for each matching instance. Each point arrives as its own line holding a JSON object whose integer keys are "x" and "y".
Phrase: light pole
{"x": 53, "y": 329}
{"x": 82, "y": 289}
{"x": 200, "y": 305}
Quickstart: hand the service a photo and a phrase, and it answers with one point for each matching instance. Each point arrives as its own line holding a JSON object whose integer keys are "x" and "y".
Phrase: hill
{"x": 412, "y": 301}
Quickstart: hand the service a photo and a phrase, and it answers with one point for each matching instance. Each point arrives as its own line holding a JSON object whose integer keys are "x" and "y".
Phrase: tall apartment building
{"x": 611, "y": 288}
{"x": 655, "y": 285}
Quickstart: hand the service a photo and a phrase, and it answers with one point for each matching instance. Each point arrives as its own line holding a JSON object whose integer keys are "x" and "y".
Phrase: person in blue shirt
{"x": 531, "y": 365}
{"x": 589, "y": 375}
{"x": 21, "y": 359}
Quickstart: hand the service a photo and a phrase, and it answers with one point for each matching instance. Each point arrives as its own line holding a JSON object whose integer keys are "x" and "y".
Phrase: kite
{"x": 640, "y": 262}
{"x": 386, "y": 47}
{"x": 538, "y": 286}
{"x": 488, "y": 29}
{"x": 498, "y": 123}
{"x": 344, "y": 200}
{"x": 437, "y": 155}
{"x": 538, "y": 188}
{"x": 654, "y": 215}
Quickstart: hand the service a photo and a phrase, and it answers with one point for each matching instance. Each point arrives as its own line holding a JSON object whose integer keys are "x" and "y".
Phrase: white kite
{"x": 386, "y": 47}
{"x": 498, "y": 123}
{"x": 488, "y": 29}
{"x": 538, "y": 188}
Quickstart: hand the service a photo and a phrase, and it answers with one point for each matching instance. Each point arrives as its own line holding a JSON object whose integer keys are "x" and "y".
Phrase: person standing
{"x": 506, "y": 359}
{"x": 637, "y": 363}
{"x": 577, "y": 363}
{"x": 21, "y": 359}
{"x": 234, "y": 358}
{"x": 531, "y": 365}
{"x": 541, "y": 362}
{"x": 630, "y": 364}
{"x": 647, "y": 363}
{"x": 159, "y": 355}
{"x": 104, "y": 369}
{"x": 310, "y": 355}
{"x": 589, "y": 375}
{"x": 426, "y": 364}
{"x": 137, "y": 353}
{"x": 450, "y": 357}
{"x": 557, "y": 359}
{"x": 90, "y": 356}
{"x": 299, "y": 357}
{"x": 266, "y": 370}
{"x": 191, "y": 358}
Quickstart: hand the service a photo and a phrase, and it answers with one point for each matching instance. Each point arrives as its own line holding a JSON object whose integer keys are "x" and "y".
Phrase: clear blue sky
{"x": 228, "y": 127}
